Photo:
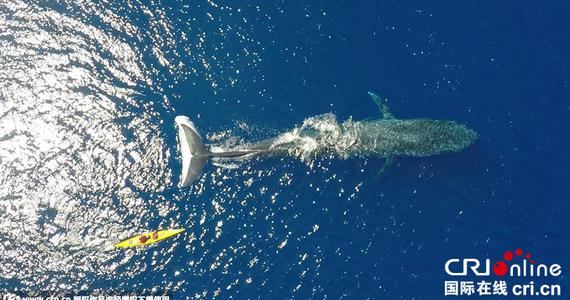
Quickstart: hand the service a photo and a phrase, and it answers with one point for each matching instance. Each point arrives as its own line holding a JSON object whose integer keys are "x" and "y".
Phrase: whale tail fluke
{"x": 194, "y": 152}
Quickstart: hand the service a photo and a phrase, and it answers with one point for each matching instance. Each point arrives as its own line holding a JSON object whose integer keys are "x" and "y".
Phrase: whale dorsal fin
{"x": 384, "y": 109}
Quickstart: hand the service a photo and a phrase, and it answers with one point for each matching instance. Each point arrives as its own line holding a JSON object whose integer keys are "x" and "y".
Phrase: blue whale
{"x": 386, "y": 137}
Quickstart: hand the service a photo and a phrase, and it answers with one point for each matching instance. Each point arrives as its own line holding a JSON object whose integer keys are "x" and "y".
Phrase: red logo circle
{"x": 500, "y": 268}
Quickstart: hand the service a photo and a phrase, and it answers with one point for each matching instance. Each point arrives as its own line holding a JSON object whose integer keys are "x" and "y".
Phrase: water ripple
{"x": 75, "y": 159}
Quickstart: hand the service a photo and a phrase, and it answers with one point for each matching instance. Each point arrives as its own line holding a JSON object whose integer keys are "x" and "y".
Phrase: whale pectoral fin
{"x": 384, "y": 109}
{"x": 389, "y": 161}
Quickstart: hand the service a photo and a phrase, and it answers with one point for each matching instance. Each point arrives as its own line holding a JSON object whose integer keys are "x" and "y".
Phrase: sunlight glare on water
{"x": 74, "y": 157}
{"x": 87, "y": 151}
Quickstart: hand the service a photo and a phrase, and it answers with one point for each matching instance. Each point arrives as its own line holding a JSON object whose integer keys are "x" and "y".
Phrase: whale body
{"x": 386, "y": 137}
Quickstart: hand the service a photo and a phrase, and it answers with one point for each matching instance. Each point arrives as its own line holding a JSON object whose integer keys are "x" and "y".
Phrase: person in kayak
{"x": 143, "y": 239}
{"x": 155, "y": 235}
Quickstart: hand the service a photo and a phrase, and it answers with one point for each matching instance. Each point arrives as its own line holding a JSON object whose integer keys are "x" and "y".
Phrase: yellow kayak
{"x": 148, "y": 238}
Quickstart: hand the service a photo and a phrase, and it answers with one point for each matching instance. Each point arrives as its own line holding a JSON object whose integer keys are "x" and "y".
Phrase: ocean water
{"x": 88, "y": 149}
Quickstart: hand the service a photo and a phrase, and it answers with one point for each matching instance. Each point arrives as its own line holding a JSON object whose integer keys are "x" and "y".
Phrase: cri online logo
{"x": 458, "y": 267}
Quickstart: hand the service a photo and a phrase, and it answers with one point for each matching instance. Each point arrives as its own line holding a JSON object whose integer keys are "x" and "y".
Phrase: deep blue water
{"x": 334, "y": 230}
